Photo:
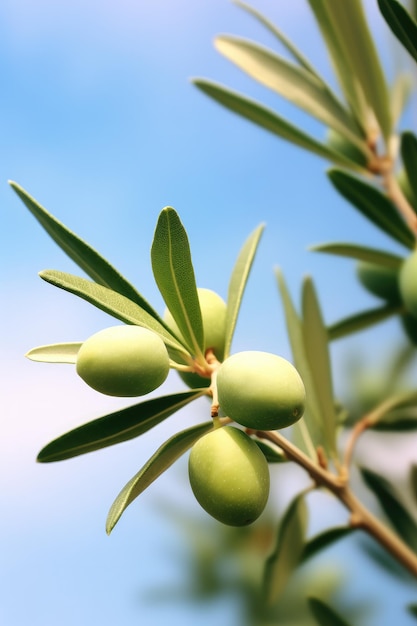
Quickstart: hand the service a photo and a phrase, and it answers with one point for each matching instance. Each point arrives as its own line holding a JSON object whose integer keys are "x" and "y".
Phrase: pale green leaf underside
{"x": 361, "y": 321}
{"x": 110, "y": 302}
{"x": 311, "y": 421}
{"x": 361, "y": 253}
{"x": 373, "y": 204}
{"x": 163, "y": 458}
{"x": 55, "y": 353}
{"x": 293, "y": 83}
{"x": 356, "y": 44}
{"x": 316, "y": 340}
{"x": 116, "y": 427}
{"x": 174, "y": 274}
{"x": 88, "y": 259}
{"x": 237, "y": 283}
{"x": 288, "y": 549}
{"x": 348, "y": 81}
{"x": 295, "y": 53}
{"x": 269, "y": 120}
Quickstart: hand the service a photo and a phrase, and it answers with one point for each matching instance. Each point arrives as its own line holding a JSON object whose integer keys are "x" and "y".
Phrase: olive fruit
{"x": 213, "y": 313}
{"x": 229, "y": 476}
{"x": 379, "y": 280}
{"x": 260, "y": 390}
{"x": 123, "y": 361}
{"x": 408, "y": 283}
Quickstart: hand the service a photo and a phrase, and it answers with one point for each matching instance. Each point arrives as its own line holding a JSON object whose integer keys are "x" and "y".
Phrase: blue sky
{"x": 100, "y": 123}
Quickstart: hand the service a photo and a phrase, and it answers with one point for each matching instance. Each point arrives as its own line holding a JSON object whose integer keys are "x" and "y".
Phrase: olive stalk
{"x": 360, "y": 516}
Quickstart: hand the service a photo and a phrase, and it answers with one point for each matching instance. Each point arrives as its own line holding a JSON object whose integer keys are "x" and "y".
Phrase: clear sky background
{"x": 100, "y": 123}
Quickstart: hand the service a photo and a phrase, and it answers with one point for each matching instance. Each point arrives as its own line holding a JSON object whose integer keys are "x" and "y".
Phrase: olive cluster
{"x": 228, "y": 472}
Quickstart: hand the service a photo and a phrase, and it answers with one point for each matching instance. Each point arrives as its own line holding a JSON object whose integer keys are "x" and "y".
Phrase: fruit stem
{"x": 360, "y": 517}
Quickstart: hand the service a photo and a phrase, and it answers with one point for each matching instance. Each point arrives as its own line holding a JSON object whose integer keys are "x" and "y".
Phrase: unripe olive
{"x": 229, "y": 476}
{"x": 213, "y": 313}
{"x": 408, "y": 283}
{"x": 260, "y": 390}
{"x": 123, "y": 361}
{"x": 379, "y": 280}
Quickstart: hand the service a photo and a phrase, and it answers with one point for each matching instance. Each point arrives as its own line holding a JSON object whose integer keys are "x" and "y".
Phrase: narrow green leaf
{"x": 174, "y": 274}
{"x": 373, "y": 204}
{"x": 347, "y": 79}
{"x": 395, "y": 407}
{"x": 323, "y": 540}
{"x": 237, "y": 283}
{"x": 110, "y": 302}
{"x": 163, "y": 458}
{"x": 55, "y": 353}
{"x": 272, "y": 455}
{"x": 393, "y": 508}
{"x": 324, "y": 615}
{"x": 269, "y": 120}
{"x": 316, "y": 340}
{"x": 310, "y": 428}
{"x": 293, "y": 83}
{"x": 412, "y": 609}
{"x": 401, "y": 23}
{"x": 413, "y": 479}
{"x": 288, "y": 549}
{"x": 295, "y": 53}
{"x": 409, "y": 157}
{"x": 82, "y": 253}
{"x": 361, "y": 321}
{"x": 116, "y": 427}
{"x": 361, "y": 253}
{"x": 357, "y": 46}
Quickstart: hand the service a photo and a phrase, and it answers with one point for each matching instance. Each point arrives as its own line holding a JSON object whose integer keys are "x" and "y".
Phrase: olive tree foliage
{"x": 293, "y": 417}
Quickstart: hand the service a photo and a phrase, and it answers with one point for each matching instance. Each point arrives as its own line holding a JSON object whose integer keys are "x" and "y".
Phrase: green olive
{"x": 123, "y": 361}
{"x": 408, "y": 283}
{"x": 213, "y": 313}
{"x": 260, "y": 390}
{"x": 379, "y": 280}
{"x": 229, "y": 476}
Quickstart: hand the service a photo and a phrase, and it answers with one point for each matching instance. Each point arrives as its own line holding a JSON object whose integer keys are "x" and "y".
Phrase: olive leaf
{"x": 112, "y": 303}
{"x": 272, "y": 454}
{"x": 55, "y": 353}
{"x": 409, "y": 158}
{"x": 174, "y": 274}
{"x": 324, "y": 614}
{"x": 309, "y": 429}
{"x": 349, "y": 27}
{"x": 373, "y": 204}
{"x": 392, "y": 506}
{"x": 116, "y": 427}
{"x": 237, "y": 283}
{"x": 316, "y": 345}
{"x": 88, "y": 259}
{"x": 323, "y": 540}
{"x": 288, "y": 549}
{"x": 361, "y": 321}
{"x": 292, "y": 82}
{"x": 291, "y": 48}
{"x": 271, "y": 121}
{"x": 401, "y": 23}
{"x": 160, "y": 461}
{"x": 360, "y": 253}
{"x": 413, "y": 479}
{"x": 347, "y": 79}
